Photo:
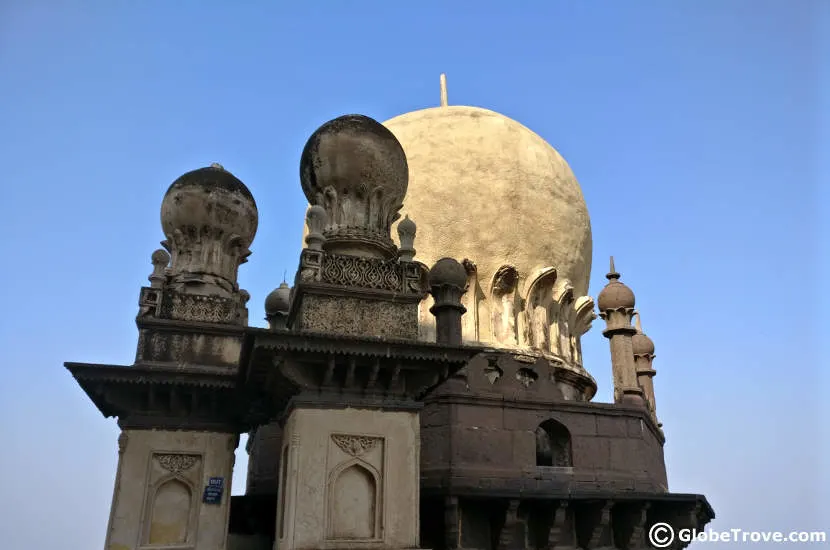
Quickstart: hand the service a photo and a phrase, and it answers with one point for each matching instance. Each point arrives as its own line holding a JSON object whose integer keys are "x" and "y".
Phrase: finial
{"x": 406, "y": 235}
{"x": 444, "y": 90}
{"x": 217, "y": 166}
{"x": 316, "y": 220}
{"x": 160, "y": 260}
{"x": 612, "y": 274}
{"x": 284, "y": 275}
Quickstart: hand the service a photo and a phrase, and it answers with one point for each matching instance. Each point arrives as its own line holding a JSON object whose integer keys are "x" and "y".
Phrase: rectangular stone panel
{"x": 358, "y": 316}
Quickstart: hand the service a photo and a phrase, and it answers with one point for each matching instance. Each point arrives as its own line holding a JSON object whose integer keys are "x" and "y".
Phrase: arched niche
{"x": 470, "y": 300}
{"x": 538, "y": 299}
{"x": 553, "y": 445}
{"x": 561, "y": 329}
{"x": 505, "y": 305}
{"x": 354, "y": 502}
{"x": 170, "y": 512}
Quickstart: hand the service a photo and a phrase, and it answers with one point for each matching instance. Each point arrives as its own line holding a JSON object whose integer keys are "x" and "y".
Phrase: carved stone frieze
{"x": 194, "y": 307}
{"x": 361, "y": 272}
{"x": 357, "y": 316}
{"x": 355, "y": 445}
{"x": 167, "y": 303}
{"x": 177, "y": 463}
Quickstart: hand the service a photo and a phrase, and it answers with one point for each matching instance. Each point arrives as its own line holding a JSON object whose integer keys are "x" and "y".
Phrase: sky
{"x": 697, "y": 130}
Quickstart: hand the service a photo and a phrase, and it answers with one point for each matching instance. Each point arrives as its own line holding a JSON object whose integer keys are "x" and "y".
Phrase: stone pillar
{"x": 352, "y": 477}
{"x": 616, "y": 305}
{"x": 447, "y": 281}
{"x": 160, "y": 496}
{"x": 643, "y": 360}
{"x": 626, "y": 389}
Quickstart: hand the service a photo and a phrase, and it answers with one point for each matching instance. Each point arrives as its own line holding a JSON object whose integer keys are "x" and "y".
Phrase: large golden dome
{"x": 484, "y": 187}
{"x": 487, "y": 190}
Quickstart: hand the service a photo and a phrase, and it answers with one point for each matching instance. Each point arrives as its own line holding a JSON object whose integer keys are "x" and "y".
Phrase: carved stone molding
{"x": 361, "y": 272}
{"x": 192, "y": 307}
{"x": 177, "y": 463}
{"x": 355, "y": 445}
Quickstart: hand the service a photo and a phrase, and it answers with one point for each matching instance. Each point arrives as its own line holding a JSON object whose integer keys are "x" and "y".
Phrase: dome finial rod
{"x": 612, "y": 273}
{"x": 444, "y": 102}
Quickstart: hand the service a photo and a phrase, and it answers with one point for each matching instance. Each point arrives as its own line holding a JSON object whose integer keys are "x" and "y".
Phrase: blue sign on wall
{"x": 214, "y": 490}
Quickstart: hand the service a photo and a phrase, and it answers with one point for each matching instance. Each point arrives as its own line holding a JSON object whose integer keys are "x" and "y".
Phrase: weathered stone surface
{"x": 356, "y": 169}
{"x": 188, "y": 348}
{"x": 358, "y": 316}
{"x": 210, "y": 219}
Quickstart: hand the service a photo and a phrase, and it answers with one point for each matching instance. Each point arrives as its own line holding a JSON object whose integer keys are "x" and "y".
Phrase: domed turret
{"x": 448, "y": 282}
{"x": 615, "y": 295}
{"x": 356, "y": 170}
{"x": 277, "y": 306}
{"x": 210, "y": 219}
{"x": 279, "y": 300}
{"x": 447, "y": 271}
{"x": 640, "y": 343}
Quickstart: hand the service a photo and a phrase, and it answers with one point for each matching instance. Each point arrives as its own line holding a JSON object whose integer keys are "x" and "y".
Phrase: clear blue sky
{"x": 693, "y": 128}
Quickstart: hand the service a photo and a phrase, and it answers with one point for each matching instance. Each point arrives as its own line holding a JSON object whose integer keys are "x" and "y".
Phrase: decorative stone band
{"x": 355, "y": 445}
{"x": 400, "y": 277}
{"x": 169, "y": 304}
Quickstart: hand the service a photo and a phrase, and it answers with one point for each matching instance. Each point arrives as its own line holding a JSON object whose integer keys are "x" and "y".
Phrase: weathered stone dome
{"x": 615, "y": 295}
{"x": 447, "y": 271}
{"x": 278, "y": 300}
{"x": 210, "y": 197}
{"x": 642, "y": 344}
{"x": 209, "y": 218}
{"x": 484, "y": 187}
{"x": 356, "y": 169}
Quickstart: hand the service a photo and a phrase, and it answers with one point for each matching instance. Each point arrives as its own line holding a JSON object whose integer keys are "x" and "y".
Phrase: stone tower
{"x": 176, "y": 406}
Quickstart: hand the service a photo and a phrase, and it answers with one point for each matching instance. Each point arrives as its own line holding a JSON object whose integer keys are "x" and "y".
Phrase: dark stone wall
{"x": 493, "y": 446}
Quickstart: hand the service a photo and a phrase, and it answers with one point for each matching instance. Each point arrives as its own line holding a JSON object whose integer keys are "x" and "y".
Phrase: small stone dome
{"x": 356, "y": 169}
{"x": 279, "y": 300}
{"x": 211, "y": 197}
{"x": 615, "y": 295}
{"x": 160, "y": 257}
{"x": 407, "y": 226}
{"x": 642, "y": 344}
{"x": 448, "y": 271}
{"x": 210, "y": 219}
